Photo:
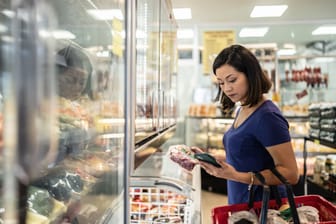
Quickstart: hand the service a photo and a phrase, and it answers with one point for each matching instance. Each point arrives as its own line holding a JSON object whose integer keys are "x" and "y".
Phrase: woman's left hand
{"x": 226, "y": 171}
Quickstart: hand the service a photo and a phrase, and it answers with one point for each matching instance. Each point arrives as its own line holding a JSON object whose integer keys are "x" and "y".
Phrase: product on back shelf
{"x": 35, "y": 218}
{"x": 172, "y": 219}
{"x": 39, "y": 201}
{"x": 42, "y": 203}
{"x": 61, "y": 184}
{"x": 89, "y": 163}
{"x": 182, "y": 155}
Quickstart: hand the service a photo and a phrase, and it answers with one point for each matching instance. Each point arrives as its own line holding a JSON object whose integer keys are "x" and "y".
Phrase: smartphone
{"x": 205, "y": 157}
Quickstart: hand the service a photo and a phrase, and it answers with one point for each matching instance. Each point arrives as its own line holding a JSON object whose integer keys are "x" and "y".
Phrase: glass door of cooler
{"x": 62, "y": 109}
{"x": 168, "y": 67}
{"x": 147, "y": 68}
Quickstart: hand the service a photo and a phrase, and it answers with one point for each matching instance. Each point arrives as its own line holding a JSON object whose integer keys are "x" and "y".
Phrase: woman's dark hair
{"x": 74, "y": 56}
{"x": 243, "y": 60}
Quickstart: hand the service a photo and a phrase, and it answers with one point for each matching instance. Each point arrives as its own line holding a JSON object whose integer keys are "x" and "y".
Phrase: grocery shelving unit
{"x": 310, "y": 186}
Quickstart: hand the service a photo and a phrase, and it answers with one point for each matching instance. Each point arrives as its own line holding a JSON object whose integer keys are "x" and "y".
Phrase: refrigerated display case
{"x": 158, "y": 195}
{"x": 319, "y": 171}
{"x": 62, "y": 79}
{"x": 319, "y": 151}
{"x": 78, "y": 90}
{"x": 156, "y": 56}
{"x": 207, "y": 133}
{"x": 163, "y": 192}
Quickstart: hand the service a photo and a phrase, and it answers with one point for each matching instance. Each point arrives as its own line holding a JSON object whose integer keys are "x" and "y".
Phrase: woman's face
{"x": 234, "y": 84}
{"x": 72, "y": 83}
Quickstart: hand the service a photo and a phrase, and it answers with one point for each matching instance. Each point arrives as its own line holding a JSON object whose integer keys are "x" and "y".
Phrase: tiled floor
{"x": 210, "y": 200}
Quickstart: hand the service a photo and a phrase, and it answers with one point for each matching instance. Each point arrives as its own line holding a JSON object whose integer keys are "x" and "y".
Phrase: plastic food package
{"x": 182, "y": 155}
{"x": 274, "y": 217}
{"x": 243, "y": 217}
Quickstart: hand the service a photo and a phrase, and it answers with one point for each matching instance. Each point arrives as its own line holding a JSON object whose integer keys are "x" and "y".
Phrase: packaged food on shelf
{"x": 155, "y": 205}
{"x": 61, "y": 184}
{"x": 42, "y": 207}
{"x": 202, "y": 110}
{"x": 319, "y": 167}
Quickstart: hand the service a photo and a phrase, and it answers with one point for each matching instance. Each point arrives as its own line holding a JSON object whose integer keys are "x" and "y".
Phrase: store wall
{"x": 191, "y": 79}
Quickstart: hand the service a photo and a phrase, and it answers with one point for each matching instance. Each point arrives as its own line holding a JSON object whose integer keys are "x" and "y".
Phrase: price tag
{"x": 316, "y": 141}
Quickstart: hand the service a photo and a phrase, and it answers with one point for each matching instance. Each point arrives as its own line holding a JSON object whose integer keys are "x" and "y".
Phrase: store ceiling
{"x": 295, "y": 26}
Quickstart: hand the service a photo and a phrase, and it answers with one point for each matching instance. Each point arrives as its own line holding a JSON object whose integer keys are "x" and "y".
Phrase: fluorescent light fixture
{"x": 185, "y": 34}
{"x": 182, "y": 13}
{"x": 103, "y": 54}
{"x": 262, "y": 45}
{"x": 289, "y": 46}
{"x": 63, "y": 34}
{"x": 324, "y": 59}
{"x": 253, "y": 32}
{"x": 268, "y": 10}
{"x": 3, "y": 28}
{"x": 8, "y": 13}
{"x": 106, "y": 14}
{"x": 57, "y": 34}
{"x": 140, "y": 34}
{"x": 325, "y": 30}
{"x": 283, "y": 52}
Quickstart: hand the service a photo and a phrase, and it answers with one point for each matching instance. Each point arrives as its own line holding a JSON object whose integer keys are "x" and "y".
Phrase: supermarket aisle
{"x": 210, "y": 200}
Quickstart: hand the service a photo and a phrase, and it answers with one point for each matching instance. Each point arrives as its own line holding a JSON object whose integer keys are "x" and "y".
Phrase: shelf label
{"x": 316, "y": 141}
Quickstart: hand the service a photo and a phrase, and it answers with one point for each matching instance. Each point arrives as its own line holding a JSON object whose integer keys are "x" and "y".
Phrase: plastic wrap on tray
{"x": 243, "y": 217}
{"x": 182, "y": 155}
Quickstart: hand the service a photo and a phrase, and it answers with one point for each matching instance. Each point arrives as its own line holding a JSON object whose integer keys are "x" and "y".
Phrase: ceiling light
{"x": 289, "y": 46}
{"x": 325, "y": 30}
{"x": 8, "y": 13}
{"x": 253, "y": 32}
{"x": 262, "y": 46}
{"x": 3, "y": 28}
{"x": 324, "y": 59}
{"x": 105, "y": 14}
{"x": 182, "y": 13}
{"x": 268, "y": 10}
{"x": 185, "y": 34}
{"x": 57, "y": 34}
{"x": 286, "y": 51}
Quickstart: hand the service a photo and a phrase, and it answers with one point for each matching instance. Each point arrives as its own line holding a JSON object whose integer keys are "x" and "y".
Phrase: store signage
{"x": 213, "y": 43}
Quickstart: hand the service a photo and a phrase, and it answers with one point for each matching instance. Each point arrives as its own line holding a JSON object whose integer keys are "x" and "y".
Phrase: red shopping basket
{"x": 327, "y": 210}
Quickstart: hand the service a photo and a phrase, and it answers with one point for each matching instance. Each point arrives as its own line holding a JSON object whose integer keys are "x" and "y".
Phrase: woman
{"x": 259, "y": 138}
{"x": 74, "y": 70}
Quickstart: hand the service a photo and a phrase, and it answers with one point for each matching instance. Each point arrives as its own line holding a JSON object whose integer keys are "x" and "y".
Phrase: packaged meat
{"x": 182, "y": 155}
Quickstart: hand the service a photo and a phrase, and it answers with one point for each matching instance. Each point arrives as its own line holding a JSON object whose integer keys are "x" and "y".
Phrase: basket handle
{"x": 266, "y": 196}
{"x": 290, "y": 194}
